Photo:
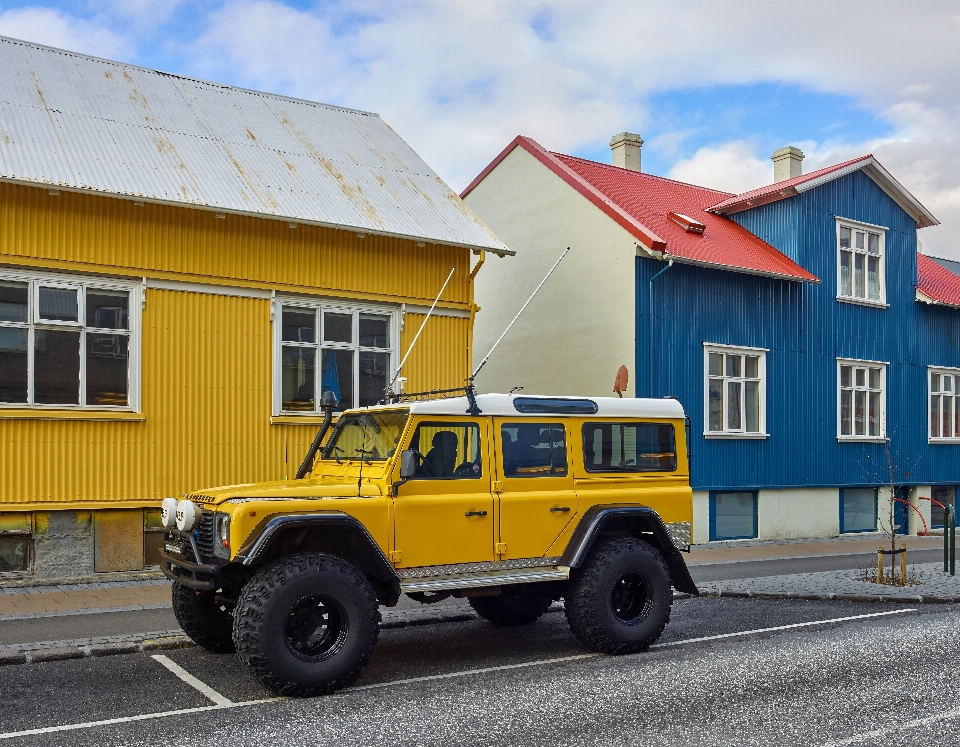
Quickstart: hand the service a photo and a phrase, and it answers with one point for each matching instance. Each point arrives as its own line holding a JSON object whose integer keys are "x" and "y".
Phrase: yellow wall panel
{"x": 206, "y": 359}
{"x": 115, "y": 236}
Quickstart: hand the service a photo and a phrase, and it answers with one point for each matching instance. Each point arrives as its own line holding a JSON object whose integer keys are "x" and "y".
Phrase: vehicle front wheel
{"x": 307, "y": 624}
{"x": 204, "y": 618}
{"x": 514, "y": 606}
{"x": 619, "y": 601}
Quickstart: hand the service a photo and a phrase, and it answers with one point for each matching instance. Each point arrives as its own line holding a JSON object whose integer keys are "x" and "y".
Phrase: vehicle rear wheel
{"x": 307, "y": 624}
{"x": 515, "y": 606}
{"x": 619, "y": 601}
{"x": 204, "y": 617}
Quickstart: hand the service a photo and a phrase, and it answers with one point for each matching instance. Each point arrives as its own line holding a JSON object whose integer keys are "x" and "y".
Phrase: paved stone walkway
{"x": 934, "y": 586}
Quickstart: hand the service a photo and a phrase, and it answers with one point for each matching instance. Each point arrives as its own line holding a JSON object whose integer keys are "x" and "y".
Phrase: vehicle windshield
{"x": 372, "y": 436}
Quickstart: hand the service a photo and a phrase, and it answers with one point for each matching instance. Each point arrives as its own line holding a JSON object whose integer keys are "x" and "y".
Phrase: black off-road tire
{"x": 512, "y": 606}
{"x": 619, "y": 601}
{"x": 204, "y": 618}
{"x": 273, "y": 618}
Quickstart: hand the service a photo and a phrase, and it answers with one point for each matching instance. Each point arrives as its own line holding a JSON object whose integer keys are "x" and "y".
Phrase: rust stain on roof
{"x": 108, "y": 74}
{"x": 353, "y": 193}
{"x": 250, "y": 134}
{"x": 266, "y": 199}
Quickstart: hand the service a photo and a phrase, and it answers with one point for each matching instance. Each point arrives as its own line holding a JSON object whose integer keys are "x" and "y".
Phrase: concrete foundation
{"x": 62, "y": 544}
{"x": 798, "y": 514}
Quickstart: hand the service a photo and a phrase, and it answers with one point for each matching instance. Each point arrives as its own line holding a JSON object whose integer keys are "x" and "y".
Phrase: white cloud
{"x": 56, "y": 29}
{"x": 460, "y": 80}
{"x": 732, "y": 167}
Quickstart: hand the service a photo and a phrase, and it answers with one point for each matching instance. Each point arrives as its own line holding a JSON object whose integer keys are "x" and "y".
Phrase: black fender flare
{"x": 270, "y": 529}
{"x": 598, "y": 517}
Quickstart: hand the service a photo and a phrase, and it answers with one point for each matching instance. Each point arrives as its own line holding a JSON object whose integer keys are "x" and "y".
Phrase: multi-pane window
{"x": 861, "y": 263}
{"x": 66, "y": 342}
{"x": 735, "y": 390}
{"x": 333, "y": 348}
{"x": 944, "y": 404}
{"x": 861, "y": 399}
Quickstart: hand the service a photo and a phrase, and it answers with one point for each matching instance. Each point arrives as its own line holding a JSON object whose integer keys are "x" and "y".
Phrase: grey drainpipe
{"x": 650, "y": 341}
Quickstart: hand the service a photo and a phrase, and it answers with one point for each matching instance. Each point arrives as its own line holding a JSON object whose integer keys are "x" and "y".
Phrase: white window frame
{"x": 955, "y": 396}
{"x": 81, "y": 283}
{"x": 337, "y": 306}
{"x": 859, "y": 363}
{"x": 854, "y": 225}
{"x": 735, "y": 350}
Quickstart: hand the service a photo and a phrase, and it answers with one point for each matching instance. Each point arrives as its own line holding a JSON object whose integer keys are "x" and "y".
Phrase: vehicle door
{"x": 444, "y": 514}
{"x": 534, "y": 484}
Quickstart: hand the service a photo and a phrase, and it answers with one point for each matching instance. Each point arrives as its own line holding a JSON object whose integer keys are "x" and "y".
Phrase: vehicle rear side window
{"x": 448, "y": 450}
{"x": 533, "y": 449}
{"x": 629, "y": 447}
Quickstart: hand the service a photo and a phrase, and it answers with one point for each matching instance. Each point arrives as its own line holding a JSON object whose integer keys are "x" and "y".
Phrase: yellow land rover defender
{"x": 511, "y": 502}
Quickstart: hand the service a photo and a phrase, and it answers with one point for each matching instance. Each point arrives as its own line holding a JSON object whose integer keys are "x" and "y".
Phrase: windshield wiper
{"x": 335, "y": 456}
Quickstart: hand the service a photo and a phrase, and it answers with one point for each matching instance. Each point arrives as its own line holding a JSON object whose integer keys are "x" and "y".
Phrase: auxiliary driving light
{"x": 186, "y": 515}
{"x": 168, "y": 512}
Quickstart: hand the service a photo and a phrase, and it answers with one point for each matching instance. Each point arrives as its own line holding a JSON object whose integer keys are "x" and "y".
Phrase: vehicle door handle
{"x": 559, "y": 509}
{"x": 475, "y": 513}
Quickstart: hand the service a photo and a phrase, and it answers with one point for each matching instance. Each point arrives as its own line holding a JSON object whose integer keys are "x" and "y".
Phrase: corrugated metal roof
{"x": 938, "y": 281}
{"x": 641, "y": 204}
{"x": 77, "y": 122}
{"x": 789, "y": 187}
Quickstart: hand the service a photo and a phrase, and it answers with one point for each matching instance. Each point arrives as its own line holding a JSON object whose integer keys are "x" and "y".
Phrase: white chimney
{"x": 625, "y": 150}
{"x": 787, "y": 163}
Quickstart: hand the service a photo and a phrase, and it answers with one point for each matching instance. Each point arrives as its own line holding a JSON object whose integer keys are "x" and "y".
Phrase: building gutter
{"x": 650, "y": 340}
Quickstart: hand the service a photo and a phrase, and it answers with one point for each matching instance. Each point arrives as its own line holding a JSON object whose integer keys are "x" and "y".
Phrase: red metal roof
{"x": 789, "y": 187}
{"x": 641, "y": 203}
{"x": 936, "y": 282}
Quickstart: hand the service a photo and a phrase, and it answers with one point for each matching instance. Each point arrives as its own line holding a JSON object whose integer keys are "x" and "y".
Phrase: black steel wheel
{"x": 619, "y": 601}
{"x": 205, "y": 616}
{"x": 306, "y": 624}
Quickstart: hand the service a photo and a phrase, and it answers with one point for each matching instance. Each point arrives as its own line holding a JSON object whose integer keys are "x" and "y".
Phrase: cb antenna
{"x": 487, "y": 356}
{"x": 389, "y": 389}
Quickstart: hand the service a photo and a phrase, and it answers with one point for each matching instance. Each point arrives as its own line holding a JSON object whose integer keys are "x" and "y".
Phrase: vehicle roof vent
{"x": 555, "y": 405}
{"x": 687, "y": 223}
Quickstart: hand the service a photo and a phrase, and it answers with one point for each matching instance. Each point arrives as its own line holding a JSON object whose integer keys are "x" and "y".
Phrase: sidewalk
{"x": 745, "y": 550}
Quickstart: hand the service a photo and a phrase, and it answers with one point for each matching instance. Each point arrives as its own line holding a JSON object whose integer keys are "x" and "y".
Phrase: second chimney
{"x": 625, "y": 150}
{"x": 787, "y": 163}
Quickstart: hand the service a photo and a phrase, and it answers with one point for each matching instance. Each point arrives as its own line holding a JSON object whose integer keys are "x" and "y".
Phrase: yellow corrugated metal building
{"x": 154, "y": 341}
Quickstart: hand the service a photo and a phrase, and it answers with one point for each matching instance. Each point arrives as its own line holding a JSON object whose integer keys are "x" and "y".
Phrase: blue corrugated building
{"x": 812, "y": 346}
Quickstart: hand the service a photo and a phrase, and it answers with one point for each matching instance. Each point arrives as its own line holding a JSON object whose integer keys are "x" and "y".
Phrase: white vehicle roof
{"x": 504, "y": 405}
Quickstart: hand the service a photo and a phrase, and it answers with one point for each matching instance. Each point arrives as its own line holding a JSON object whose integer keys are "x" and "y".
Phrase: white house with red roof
{"x": 797, "y": 324}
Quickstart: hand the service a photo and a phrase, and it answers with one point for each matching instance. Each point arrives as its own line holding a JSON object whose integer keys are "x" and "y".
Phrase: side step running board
{"x": 494, "y": 578}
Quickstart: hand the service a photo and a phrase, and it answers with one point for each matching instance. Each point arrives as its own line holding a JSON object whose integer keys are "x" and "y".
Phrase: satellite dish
{"x": 620, "y": 383}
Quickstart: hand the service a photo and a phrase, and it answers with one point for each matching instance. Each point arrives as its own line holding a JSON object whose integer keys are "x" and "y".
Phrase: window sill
{"x": 310, "y": 419}
{"x": 944, "y": 441}
{"x": 55, "y": 414}
{"x": 863, "y": 302}
{"x": 863, "y": 439}
{"x": 740, "y": 436}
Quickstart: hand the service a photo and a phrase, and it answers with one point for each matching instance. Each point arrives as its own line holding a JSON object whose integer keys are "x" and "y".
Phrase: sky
{"x": 712, "y": 87}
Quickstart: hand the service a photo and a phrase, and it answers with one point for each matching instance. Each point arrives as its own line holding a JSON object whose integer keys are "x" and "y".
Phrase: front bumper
{"x": 199, "y": 576}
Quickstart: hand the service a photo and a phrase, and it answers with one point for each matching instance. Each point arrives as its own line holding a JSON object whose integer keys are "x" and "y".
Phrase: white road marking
{"x": 782, "y": 627}
{"x": 886, "y": 731}
{"x": 184, "y": 675}
{"x": 225, "y": 704}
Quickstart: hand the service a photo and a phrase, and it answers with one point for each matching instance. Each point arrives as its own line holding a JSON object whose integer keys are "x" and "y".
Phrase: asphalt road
{"x": 878, "y": 678}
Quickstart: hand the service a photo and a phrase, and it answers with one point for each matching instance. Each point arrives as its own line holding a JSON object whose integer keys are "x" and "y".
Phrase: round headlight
{"x": 168, "y": 512}
{"x": 186, "y": 515}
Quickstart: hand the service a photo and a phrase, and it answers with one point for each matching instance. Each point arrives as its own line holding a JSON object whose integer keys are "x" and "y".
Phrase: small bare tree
{"x": 891, "y": 473}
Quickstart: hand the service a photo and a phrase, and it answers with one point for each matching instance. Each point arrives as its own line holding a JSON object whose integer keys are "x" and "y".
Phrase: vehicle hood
{"x": 291, "y": 489}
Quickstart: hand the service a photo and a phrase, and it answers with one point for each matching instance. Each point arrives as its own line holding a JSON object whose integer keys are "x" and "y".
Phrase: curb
{"x": 829, "y": 597}
{"x": 118, "y": 577}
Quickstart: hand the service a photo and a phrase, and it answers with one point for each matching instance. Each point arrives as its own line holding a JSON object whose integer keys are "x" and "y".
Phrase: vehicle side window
{"x": 448, "y": 450}
{"x": 533, "y": 449}
{"x": 629, "y": 447}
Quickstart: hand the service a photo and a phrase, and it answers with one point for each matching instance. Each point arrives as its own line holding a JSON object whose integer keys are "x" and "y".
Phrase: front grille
{"x": 205, "y": 533}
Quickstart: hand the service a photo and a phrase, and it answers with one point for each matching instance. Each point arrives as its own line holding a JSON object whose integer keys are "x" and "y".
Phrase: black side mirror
{"x": 408, "y": 464}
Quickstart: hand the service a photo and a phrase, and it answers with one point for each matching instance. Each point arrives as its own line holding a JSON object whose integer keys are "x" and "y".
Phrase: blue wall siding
{"x": 805, "y": 329}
